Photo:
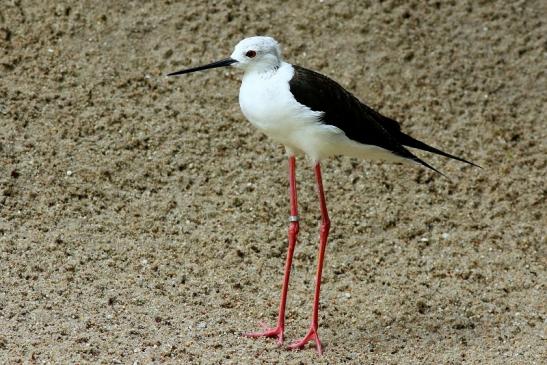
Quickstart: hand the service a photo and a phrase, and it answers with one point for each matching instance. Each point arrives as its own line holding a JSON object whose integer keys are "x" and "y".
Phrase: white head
{"x": 255, "y": 53}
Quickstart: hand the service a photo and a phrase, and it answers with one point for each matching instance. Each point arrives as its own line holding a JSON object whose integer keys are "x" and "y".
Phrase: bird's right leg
{"x": 279, "y": 330}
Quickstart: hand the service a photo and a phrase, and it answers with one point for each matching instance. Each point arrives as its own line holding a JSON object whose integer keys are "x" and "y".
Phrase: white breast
{"x": 266, "y": 101}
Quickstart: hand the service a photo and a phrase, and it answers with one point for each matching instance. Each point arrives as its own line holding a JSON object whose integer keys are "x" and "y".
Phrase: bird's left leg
{"x": 279, "y": 330}
{"x": 324, "y": 233}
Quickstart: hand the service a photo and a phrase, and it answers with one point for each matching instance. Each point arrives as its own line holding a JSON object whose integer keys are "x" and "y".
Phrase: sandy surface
{"x": 142, "y": 219}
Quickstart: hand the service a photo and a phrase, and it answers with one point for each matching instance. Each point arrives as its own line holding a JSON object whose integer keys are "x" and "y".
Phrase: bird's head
{"x": 257, "y": 53}
{"x": 251, "y": 54}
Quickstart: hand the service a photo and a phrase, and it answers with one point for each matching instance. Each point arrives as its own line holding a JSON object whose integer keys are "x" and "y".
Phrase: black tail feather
{"x": 408, "y": 141}
{"x": 423, "y": 163}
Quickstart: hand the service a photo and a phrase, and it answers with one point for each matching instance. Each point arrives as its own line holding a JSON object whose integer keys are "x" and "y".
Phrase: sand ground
{"x": 143, "y": 220}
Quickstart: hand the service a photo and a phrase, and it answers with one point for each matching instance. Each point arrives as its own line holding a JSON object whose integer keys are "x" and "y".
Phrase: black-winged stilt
{"x": 313, "y": 115}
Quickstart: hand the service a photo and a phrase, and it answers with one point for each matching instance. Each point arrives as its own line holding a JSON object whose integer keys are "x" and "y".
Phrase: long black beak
{"x": 221, "y": 63}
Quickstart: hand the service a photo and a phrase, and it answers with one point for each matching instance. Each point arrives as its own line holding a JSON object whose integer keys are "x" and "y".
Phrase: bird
{"x": 312, "y": 115}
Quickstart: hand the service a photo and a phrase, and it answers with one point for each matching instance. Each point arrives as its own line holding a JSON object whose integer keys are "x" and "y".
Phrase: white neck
{"x": 265, "y": 65}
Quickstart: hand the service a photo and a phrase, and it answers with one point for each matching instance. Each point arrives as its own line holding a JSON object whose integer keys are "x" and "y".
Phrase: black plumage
{"x": 358, "y": 121}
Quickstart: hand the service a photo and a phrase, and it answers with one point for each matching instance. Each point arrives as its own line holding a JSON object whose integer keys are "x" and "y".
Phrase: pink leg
{"x": 279, "y": 330}
{"x": 324, "y": 233}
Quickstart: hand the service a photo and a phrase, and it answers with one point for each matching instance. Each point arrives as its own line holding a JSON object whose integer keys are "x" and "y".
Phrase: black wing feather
{"x": 358, "y": 121}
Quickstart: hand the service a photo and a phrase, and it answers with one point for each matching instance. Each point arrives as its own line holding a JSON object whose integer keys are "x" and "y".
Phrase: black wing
{"x": 358, "y": 121}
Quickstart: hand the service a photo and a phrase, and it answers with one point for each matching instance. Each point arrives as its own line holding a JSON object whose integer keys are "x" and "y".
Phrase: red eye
{"x": 250, "y": 54}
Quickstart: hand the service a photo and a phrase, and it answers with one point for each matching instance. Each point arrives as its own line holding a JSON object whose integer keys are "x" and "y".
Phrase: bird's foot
{"x": 278, "y": 332}
{"x": 311, "y": 336}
